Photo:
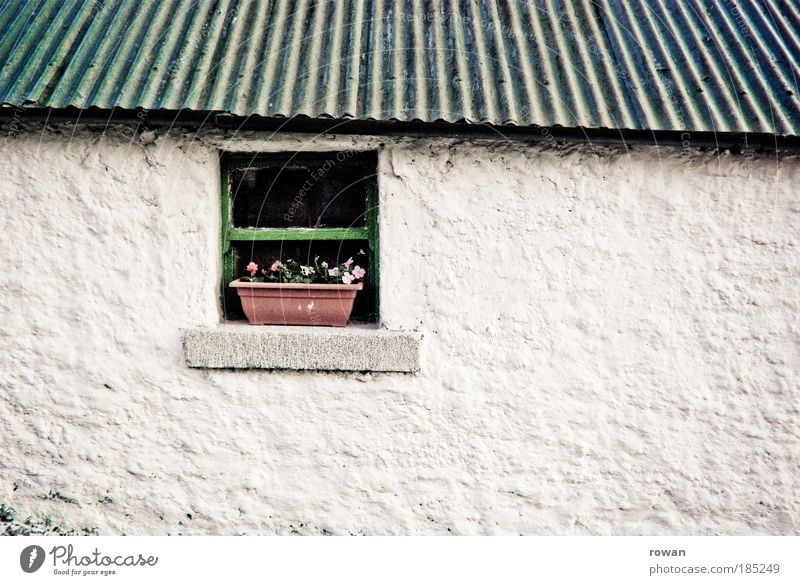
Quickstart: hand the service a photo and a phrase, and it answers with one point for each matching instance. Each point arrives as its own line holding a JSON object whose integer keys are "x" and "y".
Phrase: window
{"x": 298, "y": 206}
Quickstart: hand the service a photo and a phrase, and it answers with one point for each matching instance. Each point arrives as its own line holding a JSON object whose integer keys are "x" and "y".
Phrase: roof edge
{"x": 191, "y": 119}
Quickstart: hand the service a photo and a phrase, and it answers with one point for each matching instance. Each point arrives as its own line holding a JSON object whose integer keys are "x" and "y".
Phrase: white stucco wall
{"x": 611, "y": 346}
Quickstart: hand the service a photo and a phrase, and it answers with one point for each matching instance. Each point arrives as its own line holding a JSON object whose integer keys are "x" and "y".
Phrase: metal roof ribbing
{"x": 719, "y": 65}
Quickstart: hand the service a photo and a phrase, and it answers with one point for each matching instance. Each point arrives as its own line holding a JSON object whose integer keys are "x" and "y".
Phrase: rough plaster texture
{"x": 611, "y": 346}
{"x": 360, "y": 349}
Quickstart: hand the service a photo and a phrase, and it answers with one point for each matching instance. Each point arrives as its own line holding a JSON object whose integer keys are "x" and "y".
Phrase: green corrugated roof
{"x": 680, "y": 65}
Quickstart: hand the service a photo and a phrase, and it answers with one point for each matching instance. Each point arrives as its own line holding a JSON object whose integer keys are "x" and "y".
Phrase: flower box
{"x": 278, "y": 303}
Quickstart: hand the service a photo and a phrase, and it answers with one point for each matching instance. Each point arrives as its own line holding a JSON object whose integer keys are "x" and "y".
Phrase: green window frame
{"x": 230, "y": 162}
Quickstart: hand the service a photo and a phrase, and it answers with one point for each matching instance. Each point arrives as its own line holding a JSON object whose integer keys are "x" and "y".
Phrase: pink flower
{"x": 307, "y": 270}
{"x": 333, "y": 271}
{"x": 252, "y": 268}
{"x": 348, "y": 263}
{"x": 275, "y": 266}
{"x": 347, "y": 278}
{"x": 358, "y": 272}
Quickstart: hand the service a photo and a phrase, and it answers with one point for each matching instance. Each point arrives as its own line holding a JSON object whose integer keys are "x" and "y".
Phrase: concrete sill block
{"x": 352, "y": 348}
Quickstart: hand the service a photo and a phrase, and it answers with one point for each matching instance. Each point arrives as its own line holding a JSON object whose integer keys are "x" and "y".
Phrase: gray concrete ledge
{"x": 351, "y": 348}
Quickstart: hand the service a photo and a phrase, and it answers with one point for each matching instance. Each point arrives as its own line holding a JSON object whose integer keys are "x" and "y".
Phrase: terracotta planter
{"x": 271, "y": 303}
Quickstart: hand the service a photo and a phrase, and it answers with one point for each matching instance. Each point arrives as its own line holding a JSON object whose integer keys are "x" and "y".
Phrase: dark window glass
{"x": 308, "y": 191}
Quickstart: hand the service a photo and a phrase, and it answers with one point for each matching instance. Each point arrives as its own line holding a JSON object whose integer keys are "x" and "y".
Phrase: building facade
{"x": 608, "y": 345}
{"x": 580, "y": 225}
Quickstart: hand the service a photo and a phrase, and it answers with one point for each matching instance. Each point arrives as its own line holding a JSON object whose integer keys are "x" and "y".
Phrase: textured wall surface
{"x": 611, "y": 345}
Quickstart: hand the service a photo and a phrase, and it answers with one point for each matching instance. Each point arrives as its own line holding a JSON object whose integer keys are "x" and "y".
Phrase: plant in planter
{"x": 290, "y": 293}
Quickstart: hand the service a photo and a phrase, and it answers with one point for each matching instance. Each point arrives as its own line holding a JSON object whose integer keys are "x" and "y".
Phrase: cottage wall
{"x": 610, "y": 346}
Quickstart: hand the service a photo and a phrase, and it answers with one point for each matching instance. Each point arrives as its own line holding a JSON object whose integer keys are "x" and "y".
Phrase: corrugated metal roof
{"x": 719, "y": 65}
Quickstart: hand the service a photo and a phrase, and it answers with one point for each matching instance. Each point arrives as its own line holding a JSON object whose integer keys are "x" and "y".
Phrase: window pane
{"x": 332, "y": 251}
{"x": 341, "y": 200}
{"x": 269, "y": 198}
{"x": 304, "y": 191}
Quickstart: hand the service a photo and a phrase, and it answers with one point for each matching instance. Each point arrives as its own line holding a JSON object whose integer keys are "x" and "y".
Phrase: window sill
{"x": 355, "y": 348}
